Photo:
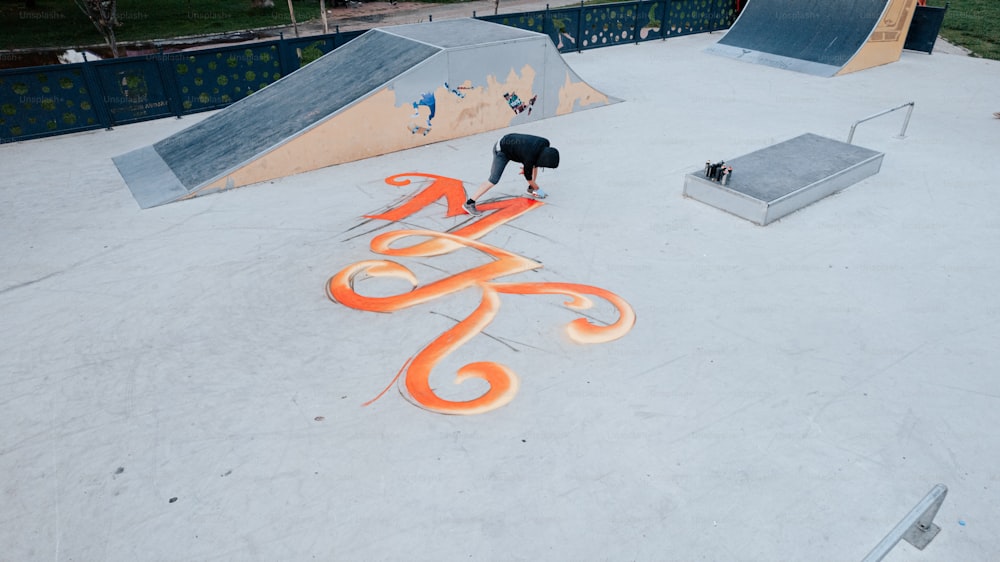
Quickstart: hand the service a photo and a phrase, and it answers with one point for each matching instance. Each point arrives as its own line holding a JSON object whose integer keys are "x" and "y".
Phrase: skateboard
{"x": 415, "y": 128}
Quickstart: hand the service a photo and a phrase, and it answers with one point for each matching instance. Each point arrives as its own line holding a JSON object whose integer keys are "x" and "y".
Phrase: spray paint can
{"x": 717, "y": 170}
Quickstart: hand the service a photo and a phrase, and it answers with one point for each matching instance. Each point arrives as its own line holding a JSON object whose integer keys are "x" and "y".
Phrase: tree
{"x": 104, "y": 15}
{"x": 291, "y": 11}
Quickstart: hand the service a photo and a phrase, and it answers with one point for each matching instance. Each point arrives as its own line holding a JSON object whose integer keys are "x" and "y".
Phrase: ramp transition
{"x": 819, "y": 37}
{"x": 390, "y": 89}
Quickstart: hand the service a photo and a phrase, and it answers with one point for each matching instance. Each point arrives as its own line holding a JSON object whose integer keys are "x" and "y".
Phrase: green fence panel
{"x": 44, "y": 101}
{"x": 685, "y": 17}
{"x": 132, "y": 90}
{"x": 217, "y": 78}
{"x": 51, "y": 100}
{"x": 650, "y": 22}
{"x": 608, "y": 24}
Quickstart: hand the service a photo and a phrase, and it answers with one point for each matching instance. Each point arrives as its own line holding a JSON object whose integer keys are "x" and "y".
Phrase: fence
{"x": 58, "y": 99}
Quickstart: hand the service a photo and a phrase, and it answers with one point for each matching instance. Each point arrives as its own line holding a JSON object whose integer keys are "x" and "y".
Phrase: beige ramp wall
{"x": 381, "y": 123}
{"x": 886, "y": 43}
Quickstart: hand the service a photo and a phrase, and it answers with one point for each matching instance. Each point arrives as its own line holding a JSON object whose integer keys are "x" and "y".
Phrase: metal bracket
{"x": 917, "y": 528}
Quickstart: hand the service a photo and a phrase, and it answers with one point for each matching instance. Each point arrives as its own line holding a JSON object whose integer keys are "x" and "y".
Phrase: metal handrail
{"x": 902, "y": 132}
{"x": 917, "y": 528}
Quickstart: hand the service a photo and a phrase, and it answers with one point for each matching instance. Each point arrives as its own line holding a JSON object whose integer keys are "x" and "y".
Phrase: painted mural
{"x": 400, "y": 116}
{"x": 413, "y": 378}
{"x": 422, "y": 122}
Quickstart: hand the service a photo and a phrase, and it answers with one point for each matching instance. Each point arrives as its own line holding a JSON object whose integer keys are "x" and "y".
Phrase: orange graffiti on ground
{"x": 503, "y": 383}
{"x": 341, "y": 286}
{"x": 495, "y": 213}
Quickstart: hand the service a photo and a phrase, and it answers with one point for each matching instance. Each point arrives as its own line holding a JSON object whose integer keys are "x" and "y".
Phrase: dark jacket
{"x": 529, "y": 150}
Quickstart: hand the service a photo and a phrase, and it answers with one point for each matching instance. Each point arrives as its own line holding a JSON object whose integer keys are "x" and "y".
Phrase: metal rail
{"x": 917, "y": 528}
{"x": 902, "y": 132}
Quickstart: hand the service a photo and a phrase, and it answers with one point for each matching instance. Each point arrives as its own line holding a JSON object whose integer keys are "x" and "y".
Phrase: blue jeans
{"x": 499, "y": 163}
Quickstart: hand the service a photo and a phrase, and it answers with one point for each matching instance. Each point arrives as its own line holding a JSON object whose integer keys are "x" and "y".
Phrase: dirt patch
{"x": 365, "y": 15}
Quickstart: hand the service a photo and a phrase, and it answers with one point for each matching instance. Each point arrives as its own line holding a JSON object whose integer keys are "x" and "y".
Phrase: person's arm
{"x": 531, "y": 161}
{"x": 530, "y": 171}
{"x": 531, "y": 182}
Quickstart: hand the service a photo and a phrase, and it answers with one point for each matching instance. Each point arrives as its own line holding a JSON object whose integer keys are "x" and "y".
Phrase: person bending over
{"x": 531, "y": 151}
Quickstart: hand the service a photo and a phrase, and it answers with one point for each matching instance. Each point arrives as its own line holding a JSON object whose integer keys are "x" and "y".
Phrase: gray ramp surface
{"x": 283, "y": 109}
{"x": 773, "y": 172}
{"x": 820, "y": 31}
{"x": 152, "y": 182}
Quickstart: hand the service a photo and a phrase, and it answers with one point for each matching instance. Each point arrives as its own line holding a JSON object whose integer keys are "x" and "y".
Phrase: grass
{"x": 59, "y": 23}
{"x": 973, "y": 24}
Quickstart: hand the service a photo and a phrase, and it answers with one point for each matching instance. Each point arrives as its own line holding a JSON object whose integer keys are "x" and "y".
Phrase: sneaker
{"x": 470, "y": 207}
{"x": 537, "y": 193}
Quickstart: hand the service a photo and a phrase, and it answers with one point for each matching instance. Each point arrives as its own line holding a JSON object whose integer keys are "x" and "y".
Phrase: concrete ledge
{"x": 783, "y": 178}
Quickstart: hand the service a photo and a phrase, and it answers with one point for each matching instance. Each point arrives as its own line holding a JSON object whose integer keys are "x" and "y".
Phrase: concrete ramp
{"x": 819, "y": 37}
{"x": 391, "y": 89}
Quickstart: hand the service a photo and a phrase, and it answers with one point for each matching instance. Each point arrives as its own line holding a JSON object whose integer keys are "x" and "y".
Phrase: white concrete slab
{"x": 177, "y": 386}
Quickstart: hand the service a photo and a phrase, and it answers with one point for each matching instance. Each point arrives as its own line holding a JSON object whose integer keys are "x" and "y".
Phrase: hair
{"x": 549, "y": 158}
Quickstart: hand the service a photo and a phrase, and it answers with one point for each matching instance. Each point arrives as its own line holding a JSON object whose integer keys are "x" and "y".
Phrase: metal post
{"x": 167, "y": 77}
{"x": 663, "y": 21}
{"x": 96, "y": 86}
{"x": 906, "y": 121}
{"x": 902, "y": 132}
{"x": 635, "y": 22}
{"x": 917, "y": 528}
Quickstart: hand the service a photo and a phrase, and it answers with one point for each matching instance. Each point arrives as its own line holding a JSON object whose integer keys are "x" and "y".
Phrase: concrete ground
{"x": 176, "y": 384}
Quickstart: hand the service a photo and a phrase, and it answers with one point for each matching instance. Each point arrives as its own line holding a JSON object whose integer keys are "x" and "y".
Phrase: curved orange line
{"x": 503, "y": 382}
{"x": 392, "y": 382}
{"x": 581, "y": 330}
{"x": 341, "y": 289}
{"x": 496, "y": 214}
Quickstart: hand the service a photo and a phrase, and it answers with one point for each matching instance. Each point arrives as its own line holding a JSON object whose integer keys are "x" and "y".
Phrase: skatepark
{"x": 242, "y": 376}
